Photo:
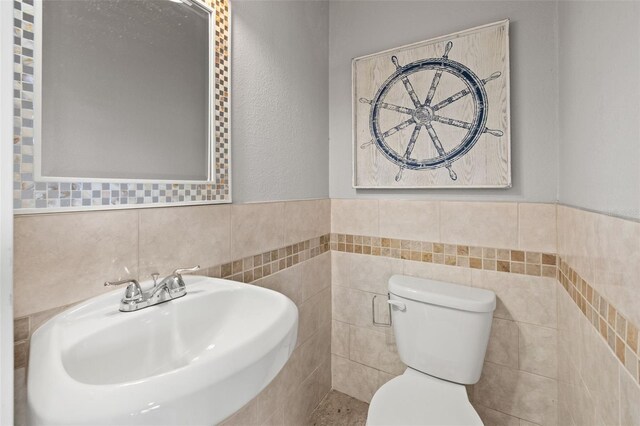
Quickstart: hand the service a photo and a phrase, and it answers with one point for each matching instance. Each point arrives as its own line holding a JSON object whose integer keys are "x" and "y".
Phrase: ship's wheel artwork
{"x": 416, "y": 136}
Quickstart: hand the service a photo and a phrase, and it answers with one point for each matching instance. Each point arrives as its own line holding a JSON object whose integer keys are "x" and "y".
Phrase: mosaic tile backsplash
{"x": 32, "y": 196}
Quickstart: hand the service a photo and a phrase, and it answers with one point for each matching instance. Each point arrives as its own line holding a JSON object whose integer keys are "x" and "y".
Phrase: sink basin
{"x": 192, "y": 360}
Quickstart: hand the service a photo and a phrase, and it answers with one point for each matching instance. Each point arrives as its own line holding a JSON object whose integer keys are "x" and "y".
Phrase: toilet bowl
{"x": 442, "y": 331}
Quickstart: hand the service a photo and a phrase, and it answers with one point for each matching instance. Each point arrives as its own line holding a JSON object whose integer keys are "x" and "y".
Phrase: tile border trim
{"x": 531, "y": 263}
{"x": 618, "y": 332}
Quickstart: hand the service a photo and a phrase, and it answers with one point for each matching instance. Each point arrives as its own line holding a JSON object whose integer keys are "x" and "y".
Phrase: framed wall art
{"x": 434, "y": 114}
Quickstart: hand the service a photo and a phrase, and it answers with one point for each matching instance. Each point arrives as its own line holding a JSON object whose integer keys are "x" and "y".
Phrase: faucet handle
{"x": 133, "y": 293}
{"x": 181, "y": 271}
{"x": 125, "y": 281}
{"x": 155, "y": 276}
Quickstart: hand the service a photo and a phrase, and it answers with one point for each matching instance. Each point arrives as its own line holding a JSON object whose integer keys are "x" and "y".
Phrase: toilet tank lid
{"x": 442, "y": 293}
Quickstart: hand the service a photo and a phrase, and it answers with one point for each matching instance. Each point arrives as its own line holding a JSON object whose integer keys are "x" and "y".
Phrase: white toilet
{"x": 441, "y": 331}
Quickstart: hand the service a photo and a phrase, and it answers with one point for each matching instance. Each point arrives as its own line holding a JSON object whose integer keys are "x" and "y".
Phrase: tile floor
{"x": 338, "y": 409}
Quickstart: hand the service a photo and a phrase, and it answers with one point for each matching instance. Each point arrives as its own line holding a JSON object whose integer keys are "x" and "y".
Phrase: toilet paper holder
{"x": 373, "y": 312}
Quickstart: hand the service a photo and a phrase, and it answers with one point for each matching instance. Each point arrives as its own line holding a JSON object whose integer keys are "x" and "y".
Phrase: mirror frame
{"x": 34, "y": 193}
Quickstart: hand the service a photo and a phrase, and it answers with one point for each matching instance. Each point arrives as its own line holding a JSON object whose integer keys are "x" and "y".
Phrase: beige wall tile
{"x": 315, "y": 350}
{"x": 605, "y": 251}
{"x": 616, "y": 263}
{"x": 537, "y": 227}
{"x": 434, "y": 271}
{"x": 20, "y": 329}
{"x": 503, "y": 343}
{"x": 577, "y": 239}
{"x": 323, "y": 374}
{"x": 384, "y": 377}
{"x": 375, "y": 349}
{"x": 410, "y": 220}
{"x": 564, "y": 416}
{"x": 340, "y": 339}
{"x": 275, "y": 396}
{"x": 20, "y": 354}
{"x": 629, "y": 399}
{"x": 357, "y": 217}
{"x": 569, "y": 329}
{"x": 256, "y": 228}
{"x": 519, "y": 297}
{"x": 354, "y": 307}
{"x": 495, "y": 418}
{"x": 523, "y": 395}
{"x": 599, "y": 370}
{"x": 340, "y": 264}
{"x": 68, "y": 257}
{"x": 577, "y": 402}
{"x": 568, "y": 372}
{"x": 354, "y": 379}
{"x": 181, "y": 237}
{"x": 305, "y": 220}
{"x": 276, "y": 419}
{"x": 324, "y": 217}
{"x": 246, "y": 416}
{"x": 315, "y": 275}
{"x": 562, "y": 223}
{"x": 301, "y": 401}
{"x": 314, "y": 313}
{"x": 479, "y": 224}
{"x": 372, "y": 273}
{"x": 287, "y": 282}
{"x": 20, "y": 397}
{"x": 538, "y": 350}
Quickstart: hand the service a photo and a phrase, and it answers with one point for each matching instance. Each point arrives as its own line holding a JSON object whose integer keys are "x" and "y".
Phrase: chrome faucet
{"x": 171, "y": 287}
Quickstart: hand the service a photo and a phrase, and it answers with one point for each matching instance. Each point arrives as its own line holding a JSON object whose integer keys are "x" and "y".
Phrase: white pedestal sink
{"x": 192, "y": 360}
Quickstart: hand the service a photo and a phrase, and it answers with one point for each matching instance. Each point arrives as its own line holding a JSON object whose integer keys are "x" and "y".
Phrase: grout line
{"x": 521, "y": 371}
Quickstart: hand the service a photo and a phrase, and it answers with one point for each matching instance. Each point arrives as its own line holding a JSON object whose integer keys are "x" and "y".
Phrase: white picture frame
{"x": 448, "y": 127}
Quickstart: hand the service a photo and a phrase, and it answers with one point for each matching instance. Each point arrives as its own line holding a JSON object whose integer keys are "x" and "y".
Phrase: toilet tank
{"x": 441, "y": 329}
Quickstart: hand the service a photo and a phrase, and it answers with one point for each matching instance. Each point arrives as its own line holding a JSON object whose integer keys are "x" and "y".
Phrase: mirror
{"x": 124, "y": 91}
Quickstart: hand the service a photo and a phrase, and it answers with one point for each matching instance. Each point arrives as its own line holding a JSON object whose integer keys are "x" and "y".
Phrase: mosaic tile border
{"x": 247, "y": 270}
{"x": 491, "y": 259}
{"x": 252, "y": 268}
{"x": 77, "y": 195}
{"x": 620, "y": 334}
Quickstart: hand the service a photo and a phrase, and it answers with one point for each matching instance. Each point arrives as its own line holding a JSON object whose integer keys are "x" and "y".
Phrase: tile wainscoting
{"x": 282, "y": 246}
{"x": 565, "y": 356}
{"x": 519, "y": 379}
{"x": 509, "y": 248}
{"x": 598, "y": 319}
{"x": 566, "y": 282}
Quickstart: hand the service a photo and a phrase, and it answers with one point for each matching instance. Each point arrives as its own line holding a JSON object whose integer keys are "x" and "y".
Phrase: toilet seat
{"x": 415, "y": 398}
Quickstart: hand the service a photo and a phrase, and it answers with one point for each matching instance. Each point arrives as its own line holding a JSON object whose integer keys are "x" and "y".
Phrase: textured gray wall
{"x": 599, "y": 53}
{"x": 280, "y": 123}
{"x": 361, "y": 27}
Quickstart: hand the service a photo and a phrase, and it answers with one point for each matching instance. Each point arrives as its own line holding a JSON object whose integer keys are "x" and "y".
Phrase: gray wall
{"x": 280, "y": 100}
{"x": 599, "y": 55}
{"x": 361, "y": 27}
